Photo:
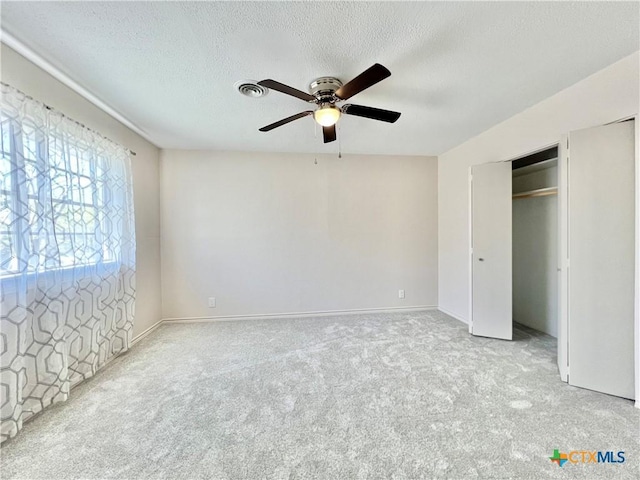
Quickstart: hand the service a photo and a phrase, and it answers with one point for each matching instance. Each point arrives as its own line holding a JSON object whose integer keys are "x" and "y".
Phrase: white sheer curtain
{"x": 67, "y": 255}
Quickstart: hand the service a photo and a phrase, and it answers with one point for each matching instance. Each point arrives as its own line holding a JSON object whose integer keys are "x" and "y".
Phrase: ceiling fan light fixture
{"x": 324, "y": 92}
{"x": 327, "y": 115}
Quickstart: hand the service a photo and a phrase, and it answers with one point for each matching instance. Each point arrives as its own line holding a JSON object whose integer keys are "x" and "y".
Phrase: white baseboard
{"x": 324, "y": 313}
{"x": 451, "y": 314}
{"x": 141, "y": 335}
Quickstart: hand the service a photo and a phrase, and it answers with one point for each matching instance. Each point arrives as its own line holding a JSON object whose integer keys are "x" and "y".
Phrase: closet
{"x": 553, "y": 247}
{"x": 535, "y": 241}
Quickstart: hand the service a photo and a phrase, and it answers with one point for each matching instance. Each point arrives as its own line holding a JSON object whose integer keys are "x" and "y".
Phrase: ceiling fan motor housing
{"x": 323, "y": 88}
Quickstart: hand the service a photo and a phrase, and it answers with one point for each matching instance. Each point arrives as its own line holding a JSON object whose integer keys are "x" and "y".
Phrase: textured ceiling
{"x": 457, "y": 68}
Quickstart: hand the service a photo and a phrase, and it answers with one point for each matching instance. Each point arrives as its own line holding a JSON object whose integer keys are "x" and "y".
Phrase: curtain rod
{"x": 48, "y": 107}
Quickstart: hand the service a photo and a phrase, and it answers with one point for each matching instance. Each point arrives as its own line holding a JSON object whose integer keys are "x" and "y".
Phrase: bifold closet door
{"x": 491, "y": 262}
{"x": 601, "y": 258}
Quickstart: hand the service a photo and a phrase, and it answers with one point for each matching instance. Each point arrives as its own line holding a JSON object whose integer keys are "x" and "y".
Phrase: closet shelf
{"x": 540, "y": 192}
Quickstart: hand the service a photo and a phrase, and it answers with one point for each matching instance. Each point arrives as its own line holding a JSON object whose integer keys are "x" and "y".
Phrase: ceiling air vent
{"x": 250, "y": 88}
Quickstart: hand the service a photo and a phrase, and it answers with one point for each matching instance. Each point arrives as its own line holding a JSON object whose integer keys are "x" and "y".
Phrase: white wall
{"x": 32, "y": 80}
{"x": 533, "y": 180}
{"x": 276, "y": 233}
{"x": 606, "y": 96}
{"x": 535, "y": 253}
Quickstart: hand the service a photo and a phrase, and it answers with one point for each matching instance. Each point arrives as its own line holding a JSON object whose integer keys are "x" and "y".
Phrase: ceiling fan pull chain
{"x": 339, "y": 141}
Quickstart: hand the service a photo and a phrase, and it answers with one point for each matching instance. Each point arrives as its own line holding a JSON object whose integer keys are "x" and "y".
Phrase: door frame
{"x": 563, "y": 258}
{"x": 636, "y": 344}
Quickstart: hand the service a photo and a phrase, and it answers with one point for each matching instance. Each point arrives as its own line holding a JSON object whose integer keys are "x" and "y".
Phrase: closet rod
{"x": 540, "y": 192}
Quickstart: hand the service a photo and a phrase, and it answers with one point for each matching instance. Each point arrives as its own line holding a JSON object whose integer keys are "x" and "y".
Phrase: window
{"x": 67, "y": 255}
{"x": 55, "y": 200}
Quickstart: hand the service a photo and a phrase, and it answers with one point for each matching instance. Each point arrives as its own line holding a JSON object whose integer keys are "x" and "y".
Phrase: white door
{"x": 563, "y": 256}
{"x": 491, "y": 282}
{"x": 601, "y": 258}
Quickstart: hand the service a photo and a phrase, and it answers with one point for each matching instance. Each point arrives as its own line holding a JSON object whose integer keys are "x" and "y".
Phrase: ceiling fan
{"x": 326, "y": 92}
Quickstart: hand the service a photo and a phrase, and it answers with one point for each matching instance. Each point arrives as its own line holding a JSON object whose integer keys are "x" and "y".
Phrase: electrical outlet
{"x": 400, "y": 293}
{"x": 212, "y": 302}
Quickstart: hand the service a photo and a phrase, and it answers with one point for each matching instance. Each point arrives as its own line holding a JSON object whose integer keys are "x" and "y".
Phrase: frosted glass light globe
{"x": 327, "y": 115}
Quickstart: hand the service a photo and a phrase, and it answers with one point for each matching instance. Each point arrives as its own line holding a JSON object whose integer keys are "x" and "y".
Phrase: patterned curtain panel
{"x": 67, "y": 255}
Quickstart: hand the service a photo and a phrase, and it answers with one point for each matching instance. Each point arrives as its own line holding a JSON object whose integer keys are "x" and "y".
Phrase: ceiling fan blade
{"x": 370, "y": 112}
{"x": 286, "y": 120}
{"x": 281, "y": 87}
{"x": 329, "y": 133}
{"x": 369, "y": 77}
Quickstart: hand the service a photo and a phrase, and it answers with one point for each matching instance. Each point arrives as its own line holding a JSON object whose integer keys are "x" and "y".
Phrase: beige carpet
{"x": 404, "y": 395}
